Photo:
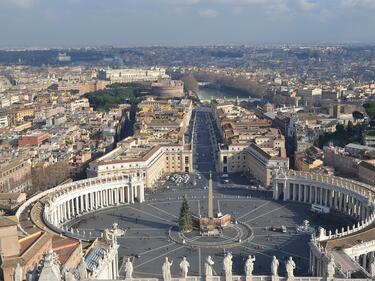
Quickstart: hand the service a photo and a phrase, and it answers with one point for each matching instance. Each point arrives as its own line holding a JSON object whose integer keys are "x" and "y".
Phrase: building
{"x": 93, "y": 86}
{"x": 167, "y": 89}
{"x": 309, "y": 159}
{"x": 250, "y": 145}
{"x": 15, "y": 175}
{"x": 340, "y": 160}
{"x": 310, "y": 96}
{"x": 360, "y": 151}
{"x": 128, "y": 75}
{"x": 3, "y": 120}
{"x": 18, "y": 115}
{"x": 63, "y": 57}
{"x": 34, "y": 139}
{"x": 366, "y": 172}
{"x": 149, "y": 160}
{"x": 11, "y": 201}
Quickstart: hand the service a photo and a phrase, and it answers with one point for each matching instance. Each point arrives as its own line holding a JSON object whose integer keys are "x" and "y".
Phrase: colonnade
{"x": 66, "y": 202}
{"x": 73, "y": 204}
{"x": 321, "y": 194}
{"x": 366, "y": 261}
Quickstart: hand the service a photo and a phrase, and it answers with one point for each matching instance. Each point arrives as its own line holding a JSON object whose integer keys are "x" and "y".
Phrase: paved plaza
{"x": 148, "y": 224}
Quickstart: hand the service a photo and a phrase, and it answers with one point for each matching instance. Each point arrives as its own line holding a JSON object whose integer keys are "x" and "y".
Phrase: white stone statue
{"x": 166, "y": 269}
{"x": 289, "y": 267}
{"x": 208, "y": 268}
{"x": 17, "y": 273}
{"x": 184, "y": 267}
{"x": 106, "y": 235}
{"x": 82, "y": 268}
{"x": 227, "y": 266}
{"x": 68, "y": 276}
{"x": 372, "y": 267}
{"x": 274, "y": 266}
{"x": 128, "y": 269}
{"x": 249, "y": 266}
{"x": 51, "y": 268}
{"x": 331, "y": 268}
{"x": 306, "y": 225}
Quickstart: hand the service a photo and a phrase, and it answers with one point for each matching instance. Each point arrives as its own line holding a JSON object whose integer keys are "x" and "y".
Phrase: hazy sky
{"x": 39, "y": 23}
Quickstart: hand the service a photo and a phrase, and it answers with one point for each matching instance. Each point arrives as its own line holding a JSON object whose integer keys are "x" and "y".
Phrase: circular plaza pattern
{"x": 151, "y": 233}
{"x": 232, "y": 236}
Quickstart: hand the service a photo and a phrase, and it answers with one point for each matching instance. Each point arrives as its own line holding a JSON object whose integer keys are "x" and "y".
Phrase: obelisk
{"x": 210, "y": 199}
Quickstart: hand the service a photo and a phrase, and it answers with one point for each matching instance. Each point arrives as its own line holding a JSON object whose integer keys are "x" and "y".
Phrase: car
{"x": 283, "y": 229}
{"x": 225, "y": 181}
{"x": 273, "y": 228}
{"x": 137, "y": 256}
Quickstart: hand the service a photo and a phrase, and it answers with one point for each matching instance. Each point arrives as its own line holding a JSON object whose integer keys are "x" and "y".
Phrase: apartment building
{"x": 149, "y": 160}
{"x": 15, "y": 175}
{"x": 250, "y": 145}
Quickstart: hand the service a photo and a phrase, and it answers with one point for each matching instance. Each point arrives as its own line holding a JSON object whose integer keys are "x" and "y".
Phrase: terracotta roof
{"x": 27, "y": 241}
{"x": 64, "y": 247}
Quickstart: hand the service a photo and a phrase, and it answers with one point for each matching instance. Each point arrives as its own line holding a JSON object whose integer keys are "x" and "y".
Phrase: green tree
{"x": 185, "y": 220}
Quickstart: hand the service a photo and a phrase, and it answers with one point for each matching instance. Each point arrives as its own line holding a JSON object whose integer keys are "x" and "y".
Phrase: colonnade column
{"x": 81, "y": 207}
{"x": 69, "y": 209}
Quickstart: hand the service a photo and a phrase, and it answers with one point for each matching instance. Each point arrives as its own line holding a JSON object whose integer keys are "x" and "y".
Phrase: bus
{"x": 319, "y": 209}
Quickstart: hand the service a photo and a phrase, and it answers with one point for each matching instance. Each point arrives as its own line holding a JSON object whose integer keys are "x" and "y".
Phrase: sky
{"x": 80, "y": 23}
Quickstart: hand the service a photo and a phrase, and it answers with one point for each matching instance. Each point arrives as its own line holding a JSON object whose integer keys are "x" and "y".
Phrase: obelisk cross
{"x": 210, "y": 198}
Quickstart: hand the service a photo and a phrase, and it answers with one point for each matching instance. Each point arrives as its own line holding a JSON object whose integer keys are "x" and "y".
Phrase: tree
{"x": 190, "y": 84}
{"x": 185, "y": 220}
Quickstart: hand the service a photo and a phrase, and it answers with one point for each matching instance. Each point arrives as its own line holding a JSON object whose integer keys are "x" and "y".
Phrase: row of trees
{"x": 44, "y": 178}
{"x": 343, "y": 135}
{"x": 242, "y": 84}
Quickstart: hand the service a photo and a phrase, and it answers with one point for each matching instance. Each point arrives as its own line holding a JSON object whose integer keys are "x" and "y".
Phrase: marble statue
{"x": 166, "y": 269}
{"x": 128, "y": 269}
{"x": 372, "y": 267}
{"x": 249, "y": 266}
{"x": 17, "y": 273}
{"x": 227, "y": 266}
{"x": 184, "y": 267}
{"x": 208, "y": 268}
{"x": 274, "y": 266}
{"x": 51, "y": 267}
{"x": 82, "y": 268}
{"x": 331, "y": 267}
{"x": 106, "y": 235}
{"x": 68, "y": 276}
{"x": 289, "y": 267}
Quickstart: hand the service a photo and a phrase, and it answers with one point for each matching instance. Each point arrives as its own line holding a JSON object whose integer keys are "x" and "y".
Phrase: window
{"x": 225, "y": 159}
{"x": 186, "y": 160}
